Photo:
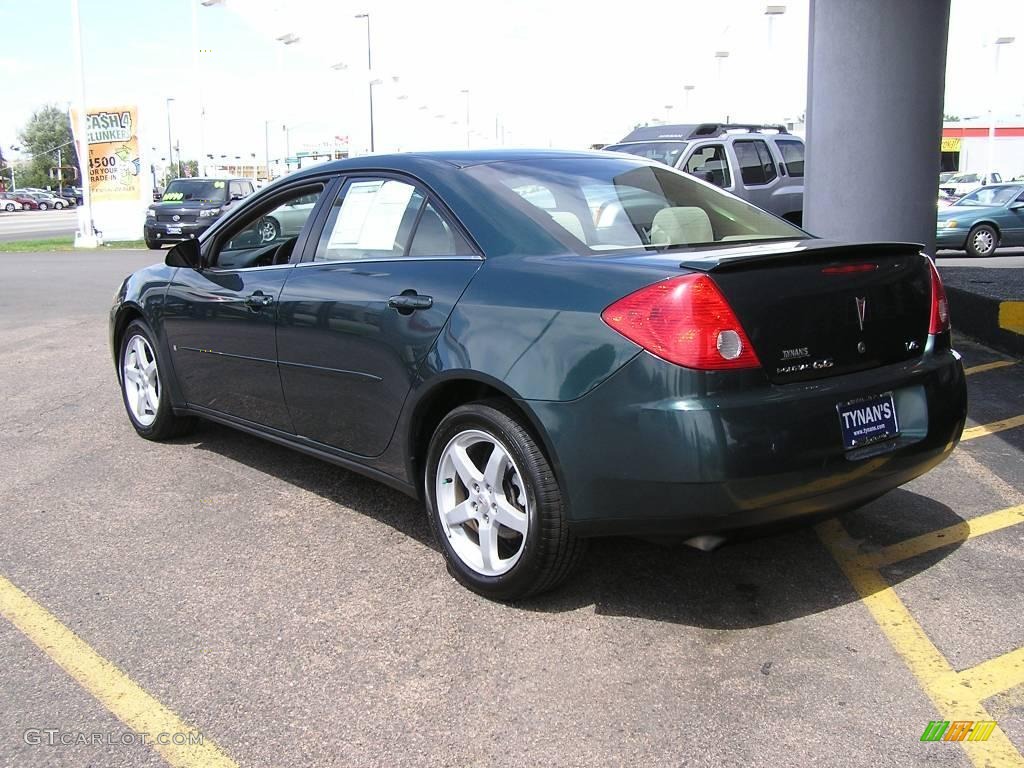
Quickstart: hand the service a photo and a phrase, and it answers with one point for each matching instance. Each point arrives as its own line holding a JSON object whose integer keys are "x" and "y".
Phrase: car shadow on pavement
{"x": 748, "y": 583}
{"x": 753, "y": 582}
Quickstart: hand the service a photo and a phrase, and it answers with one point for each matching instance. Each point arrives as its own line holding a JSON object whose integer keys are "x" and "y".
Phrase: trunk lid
{"x": 818, "y": 309}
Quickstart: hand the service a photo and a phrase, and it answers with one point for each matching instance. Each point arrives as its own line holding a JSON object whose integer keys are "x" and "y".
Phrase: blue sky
{"x": 549, "y": 73}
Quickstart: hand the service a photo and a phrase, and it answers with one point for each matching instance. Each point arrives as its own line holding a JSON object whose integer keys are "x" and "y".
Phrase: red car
{"x": 30, "y": 203}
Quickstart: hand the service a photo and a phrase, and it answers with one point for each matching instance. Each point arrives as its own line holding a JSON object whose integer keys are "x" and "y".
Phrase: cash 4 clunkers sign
{"x": 113, "y": 158}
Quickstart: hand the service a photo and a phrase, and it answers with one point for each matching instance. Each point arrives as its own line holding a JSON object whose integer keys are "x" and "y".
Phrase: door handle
{"x": 407, "y": 303}
{"x": 258, "y": 300}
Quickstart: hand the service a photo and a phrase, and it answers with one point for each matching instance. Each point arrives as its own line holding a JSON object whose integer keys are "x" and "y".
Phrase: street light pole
{"x": 369, "y": 70}
{"x": 1000, "y": 41}
{"x": 722, "y": 56}
{"x": 266, "y": 147}
{"x": 687, "y": 90}
{"x": 466, "y": 91}
{"x": 86, "y": 235}
{"x": 170, "y": 142}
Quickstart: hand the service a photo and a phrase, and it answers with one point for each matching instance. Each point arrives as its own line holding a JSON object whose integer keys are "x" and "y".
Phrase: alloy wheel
{"x": 482, "y": 502}
{"x": 141, "y": 380}
{"x": 268, "y": 231}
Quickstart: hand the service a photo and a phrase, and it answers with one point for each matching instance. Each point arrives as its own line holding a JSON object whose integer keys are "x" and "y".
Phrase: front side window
{"x": 793, "y": 156}
{"x": 267, "y": 236}
{"x": 618, "y": 204}
{"x": 756, "y": 164}
{"x": 709, "y": 163}
{"x": 667, "y": 152}
{"x": 196, "y": 190}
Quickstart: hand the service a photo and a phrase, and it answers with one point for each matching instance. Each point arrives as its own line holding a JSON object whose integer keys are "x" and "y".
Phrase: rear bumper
{"x": 657, "y": 449}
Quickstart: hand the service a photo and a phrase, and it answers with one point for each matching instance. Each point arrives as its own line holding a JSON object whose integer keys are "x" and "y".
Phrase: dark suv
{"x": 763, "y": 164}
{"x": 189, "y": 206}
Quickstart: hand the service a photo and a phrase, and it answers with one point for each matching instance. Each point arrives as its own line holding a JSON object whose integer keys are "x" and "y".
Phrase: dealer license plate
{"x": 174, "y": 230}
{"x": 868, "y": 420}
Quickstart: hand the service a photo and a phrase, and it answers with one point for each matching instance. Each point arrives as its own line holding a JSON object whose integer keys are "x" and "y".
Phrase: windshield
{"x": 197, "y": 190}
{"x": 608, "y": 204}
{"x": 990, "y": 196}
{"x": 666, "y": 152}
{"x": 967, "y": 178}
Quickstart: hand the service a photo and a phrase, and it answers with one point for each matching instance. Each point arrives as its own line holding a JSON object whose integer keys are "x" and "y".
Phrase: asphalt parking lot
{"x": 296, "y": 614}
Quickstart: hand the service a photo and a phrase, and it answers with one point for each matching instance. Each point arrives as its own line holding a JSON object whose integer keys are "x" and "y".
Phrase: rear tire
{"x": 982, "y": 241}
{"x": 142, "y": 387}
{"x": 43, "y": 206}
{"x": 511, "y": 500}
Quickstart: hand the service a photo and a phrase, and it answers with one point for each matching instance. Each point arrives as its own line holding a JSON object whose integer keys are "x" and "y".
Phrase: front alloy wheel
{"x": 142, "y": 387}
{"x": 495, "y": 505}
{"x": 141, "y": 380}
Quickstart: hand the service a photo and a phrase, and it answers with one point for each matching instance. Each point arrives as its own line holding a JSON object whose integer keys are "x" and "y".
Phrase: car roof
{"x": 412, "y": 162}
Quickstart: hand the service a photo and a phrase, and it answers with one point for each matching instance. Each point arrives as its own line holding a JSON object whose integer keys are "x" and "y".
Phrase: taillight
{"x": 685, "y": 320}
{"x": 940, "y": 304}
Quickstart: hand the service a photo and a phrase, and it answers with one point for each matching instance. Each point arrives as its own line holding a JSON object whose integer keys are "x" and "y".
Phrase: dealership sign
{"x": 114, "y": 165}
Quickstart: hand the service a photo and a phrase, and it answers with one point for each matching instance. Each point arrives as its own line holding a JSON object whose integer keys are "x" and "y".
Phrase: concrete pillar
{"x": 875, "y": 82}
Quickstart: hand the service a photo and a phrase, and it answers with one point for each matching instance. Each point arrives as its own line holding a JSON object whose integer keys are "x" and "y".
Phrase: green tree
{"x": 47, "y": 129}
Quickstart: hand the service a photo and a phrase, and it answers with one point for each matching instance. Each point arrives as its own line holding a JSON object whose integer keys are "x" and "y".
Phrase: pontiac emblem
{"x": 862, "y": 308}
{"x": 176, "y": 217}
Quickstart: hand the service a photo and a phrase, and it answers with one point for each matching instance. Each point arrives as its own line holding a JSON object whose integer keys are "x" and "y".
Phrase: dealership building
{"x": 965, "y": 148}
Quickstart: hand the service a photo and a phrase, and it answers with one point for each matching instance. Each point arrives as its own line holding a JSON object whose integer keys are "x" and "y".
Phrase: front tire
{"x": 9, "y": 207}
{"x": 153, "y": 245}
{"x": 982, "y": 241}
{"x": 142, "y": 387}
{"x": 495, "y": 506}
{"x": 58, "y": 206}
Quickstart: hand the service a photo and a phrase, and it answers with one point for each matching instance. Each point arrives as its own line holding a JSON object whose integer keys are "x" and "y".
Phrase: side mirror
{"x": 185, "y": 254}
{"x": 1018, "y": 206}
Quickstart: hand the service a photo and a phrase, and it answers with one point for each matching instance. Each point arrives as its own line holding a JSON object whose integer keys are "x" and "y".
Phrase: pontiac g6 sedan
{"x": 547, "y": 347}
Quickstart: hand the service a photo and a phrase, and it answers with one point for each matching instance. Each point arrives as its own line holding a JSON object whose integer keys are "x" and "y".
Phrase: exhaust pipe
{"x": 706, "y": 542}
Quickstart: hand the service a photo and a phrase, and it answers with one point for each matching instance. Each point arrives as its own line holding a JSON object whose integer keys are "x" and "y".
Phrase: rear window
{"x": 667, "y": 152}
{"x": 597, "y": 205}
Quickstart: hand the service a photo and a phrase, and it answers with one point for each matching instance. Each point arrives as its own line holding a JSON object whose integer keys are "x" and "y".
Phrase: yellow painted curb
{"x": 1011, "y": 316}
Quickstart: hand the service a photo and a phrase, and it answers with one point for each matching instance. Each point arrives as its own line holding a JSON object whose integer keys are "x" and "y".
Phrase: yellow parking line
{"x": 933, "y": 672}
{"x": 988, "y": 366}
{"x": 944, "y": 537}
{"x": 992, "y": 427}
{"x": 995, "y": 675}
{"x": 112, "y": 687}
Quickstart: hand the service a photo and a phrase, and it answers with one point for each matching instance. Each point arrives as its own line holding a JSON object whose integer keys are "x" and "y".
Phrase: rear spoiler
{"x": 793, "y": 252}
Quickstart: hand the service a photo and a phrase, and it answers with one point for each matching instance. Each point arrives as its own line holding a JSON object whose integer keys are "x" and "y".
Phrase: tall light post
{"x": 85, "y": 237}
{"x": 1000, "y": 42}
{"x": 721, "y": 56}
{"x": 771, "y": 11}
{"x": 465, "y": 91}
{"x": 369, "y": 70}
{"x": 170, "y": 142}
{"x": 668, "y": 113}
{"x": 687, "y": 90}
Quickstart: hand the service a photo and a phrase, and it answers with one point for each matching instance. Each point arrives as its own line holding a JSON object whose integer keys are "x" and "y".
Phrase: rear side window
{"x": 376, "y": 219}
{"x": 756, "y": 164}
{"x": 792, "y": 156}
{"x": 709, "y": 163}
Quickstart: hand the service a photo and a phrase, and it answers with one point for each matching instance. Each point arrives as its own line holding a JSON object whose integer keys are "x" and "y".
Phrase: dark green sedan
{"x": 987, "y": 218}
{"x": 550, "y": 346}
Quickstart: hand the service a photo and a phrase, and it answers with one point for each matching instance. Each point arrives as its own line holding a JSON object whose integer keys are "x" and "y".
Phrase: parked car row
{"x": 33, "y": 200}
